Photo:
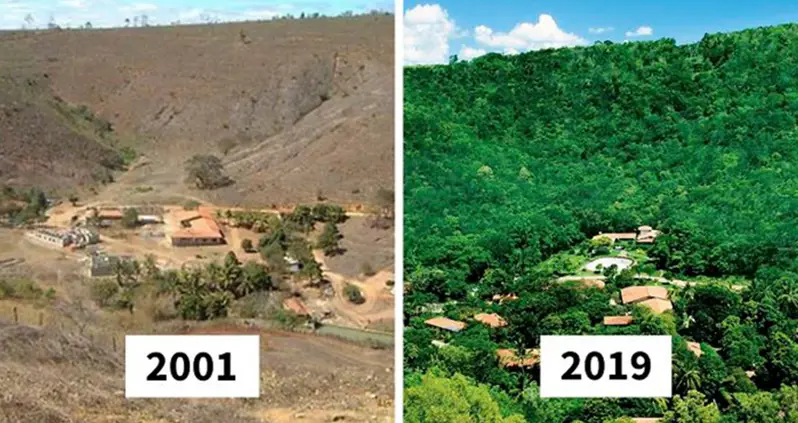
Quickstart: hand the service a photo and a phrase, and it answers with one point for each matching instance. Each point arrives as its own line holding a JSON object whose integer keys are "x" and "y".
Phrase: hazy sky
{"x": 107, "y": 13}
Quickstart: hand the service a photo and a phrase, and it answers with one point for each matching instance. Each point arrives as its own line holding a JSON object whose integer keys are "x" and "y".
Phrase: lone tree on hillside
{"x": 206, "y": 172}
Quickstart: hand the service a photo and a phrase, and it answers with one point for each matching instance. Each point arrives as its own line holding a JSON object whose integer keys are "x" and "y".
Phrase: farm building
{"x": 197, "y": 229}
{"x": 145, "y": 219}
{"x": 109, "y": 214}
{"x": 50, "y": 237}
{"x": 77, "y": 237}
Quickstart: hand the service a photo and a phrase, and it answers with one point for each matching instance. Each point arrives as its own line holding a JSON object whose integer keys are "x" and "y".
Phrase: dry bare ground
{"x": 54, "y": 376}
{"x": 303, "y": 107}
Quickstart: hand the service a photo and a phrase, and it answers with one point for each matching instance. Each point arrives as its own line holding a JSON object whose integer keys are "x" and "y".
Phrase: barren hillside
{"x": 296, "y": 107}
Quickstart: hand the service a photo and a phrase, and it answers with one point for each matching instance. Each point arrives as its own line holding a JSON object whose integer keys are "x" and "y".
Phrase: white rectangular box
{"x": 177, "y": 366}
{"x": 612, "y": 366}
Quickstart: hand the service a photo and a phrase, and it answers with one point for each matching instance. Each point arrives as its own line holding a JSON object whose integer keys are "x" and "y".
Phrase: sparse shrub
{"x": 353, "y": 294}
{"x": 143, "y": 189}
{"x": 102, "y": 291}
{"x": 23, "y": 289}
{"x": 367, "y": 269}
{"x": 246, "y": 245}
{"x": 191, "y": 205}
{"x": 389, "y": 282}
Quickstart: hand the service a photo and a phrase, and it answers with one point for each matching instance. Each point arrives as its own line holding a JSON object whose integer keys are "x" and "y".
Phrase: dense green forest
{"x": 514, "y": 162}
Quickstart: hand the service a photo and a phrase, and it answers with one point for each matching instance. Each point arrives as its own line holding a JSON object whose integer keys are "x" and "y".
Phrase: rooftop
{"x": 491, "y": 319}
{"x": 635, "y": 294}
{"x": 446, "y": 323}
{"x": 199, "y": 227}
{"x": 657, "y": 305}
{"x": 618, "y": 320}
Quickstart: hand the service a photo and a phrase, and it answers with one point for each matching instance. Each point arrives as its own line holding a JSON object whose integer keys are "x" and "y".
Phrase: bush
{"x": 367, "y": 269}
{"x": 24, "y": 289}
{"x": 191, "y": 205}
{"x": 353, "y": 294}
{"x": 246, "y": 245}
{"x": 102, "y": 291}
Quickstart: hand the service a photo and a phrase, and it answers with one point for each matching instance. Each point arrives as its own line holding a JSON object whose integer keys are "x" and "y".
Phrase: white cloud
{"x": 468, "y": 53}
{"x": 600, "y": 29}
{"x": 528, "y": 36}
{"x": 642, "y": 31}
{"x": 80, "y": 4}
{"x": 139, "y": 7}
{"x": 427, "y": 31}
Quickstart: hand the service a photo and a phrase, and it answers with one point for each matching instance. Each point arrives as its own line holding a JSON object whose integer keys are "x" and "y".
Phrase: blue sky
{"x": 436, "y": 29}
{"x": 15, "y": 14}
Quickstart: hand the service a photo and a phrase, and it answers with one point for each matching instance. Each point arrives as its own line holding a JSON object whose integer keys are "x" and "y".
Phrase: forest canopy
{"x": 514, "y": 162}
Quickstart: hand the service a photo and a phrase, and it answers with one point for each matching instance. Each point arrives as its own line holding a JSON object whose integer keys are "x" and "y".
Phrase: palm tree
{"x": 688, "y": 375}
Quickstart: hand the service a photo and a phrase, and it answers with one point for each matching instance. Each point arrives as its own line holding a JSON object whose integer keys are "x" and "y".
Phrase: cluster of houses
{"x": 63, "y": 238}
{"x": 645, "y": 235}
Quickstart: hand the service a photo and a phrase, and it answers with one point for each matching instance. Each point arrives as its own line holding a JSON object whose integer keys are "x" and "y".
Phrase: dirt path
{"x": 378, "y": 304}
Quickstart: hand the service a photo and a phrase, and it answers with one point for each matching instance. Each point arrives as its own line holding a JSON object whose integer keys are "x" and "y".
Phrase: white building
{"x": 50, "y": 237}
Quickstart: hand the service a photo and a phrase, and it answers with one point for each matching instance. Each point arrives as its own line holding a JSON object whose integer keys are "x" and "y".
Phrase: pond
{"x": 605, "y": 262}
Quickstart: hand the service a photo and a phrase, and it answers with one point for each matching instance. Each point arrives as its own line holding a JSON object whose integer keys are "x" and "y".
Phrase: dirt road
{"x": 379, "y": 302}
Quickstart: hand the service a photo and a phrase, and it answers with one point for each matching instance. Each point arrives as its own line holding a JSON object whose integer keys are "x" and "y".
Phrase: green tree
{"x": 438, "y": 399}
{"x": 329, "y": 240}
{"x": 692, "y": 409}
{"x": 130, "y": 217}
{"x": 206, "y": 171}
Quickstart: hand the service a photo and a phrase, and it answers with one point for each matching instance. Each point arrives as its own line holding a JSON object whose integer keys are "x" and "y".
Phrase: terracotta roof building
{"x": 296, "y": 305}
{"x": 636, "y": 294}
{"x": 446, "y": 323}
{"x": 109, "y": 214}
{"x": 657, "y": 305}
{"x": 509, "y": 358}
{"x": 618, "y": 320}
{"x": 492, "y": 319}
{"x": 196, "y": 229}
